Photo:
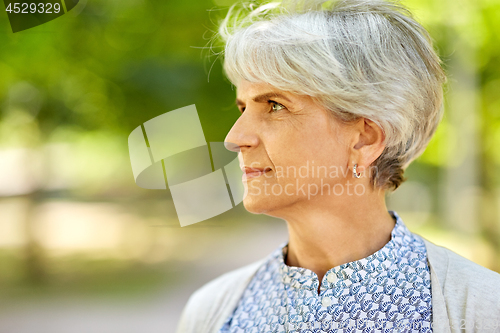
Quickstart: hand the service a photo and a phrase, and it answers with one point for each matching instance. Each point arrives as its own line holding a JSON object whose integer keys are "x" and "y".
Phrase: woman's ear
{"x": 369, "y": 145}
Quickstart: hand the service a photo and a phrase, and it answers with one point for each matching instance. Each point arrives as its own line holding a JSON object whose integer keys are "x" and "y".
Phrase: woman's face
{"x": 291, "y": 149}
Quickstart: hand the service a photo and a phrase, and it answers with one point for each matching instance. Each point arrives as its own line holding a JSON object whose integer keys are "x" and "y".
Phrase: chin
{"x": 264, "y": 204}
{"x": 254, "y": 205}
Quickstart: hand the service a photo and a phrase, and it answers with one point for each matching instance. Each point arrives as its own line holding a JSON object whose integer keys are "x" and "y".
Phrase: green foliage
{"x": 112, "y": 67}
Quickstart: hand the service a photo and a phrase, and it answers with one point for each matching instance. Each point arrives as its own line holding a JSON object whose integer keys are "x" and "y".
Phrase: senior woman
{"x": 336, "y": 99}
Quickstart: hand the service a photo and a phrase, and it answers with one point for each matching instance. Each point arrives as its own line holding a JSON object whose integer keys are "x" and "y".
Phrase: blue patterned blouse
{"x": 388, "y": 291}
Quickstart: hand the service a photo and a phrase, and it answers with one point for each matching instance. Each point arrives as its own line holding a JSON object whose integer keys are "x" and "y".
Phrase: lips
{"x": 253, "y": 172}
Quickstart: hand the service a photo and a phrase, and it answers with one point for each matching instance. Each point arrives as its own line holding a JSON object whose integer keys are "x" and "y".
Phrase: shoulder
{"x": 229, "y": 281}
{"x": 213, "y": 302}
{"x": 449, "y": 264}
{"x": 467, "y": 288}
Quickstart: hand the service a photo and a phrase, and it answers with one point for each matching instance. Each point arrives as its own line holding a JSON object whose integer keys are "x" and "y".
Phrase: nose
{"x": 243, "y": 135}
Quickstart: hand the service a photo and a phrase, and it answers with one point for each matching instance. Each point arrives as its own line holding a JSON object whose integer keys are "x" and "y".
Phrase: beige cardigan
{"x": 465, "y": 296}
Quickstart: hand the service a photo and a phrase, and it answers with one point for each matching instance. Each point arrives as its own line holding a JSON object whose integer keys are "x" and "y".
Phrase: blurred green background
{"x": 73, "y": 224}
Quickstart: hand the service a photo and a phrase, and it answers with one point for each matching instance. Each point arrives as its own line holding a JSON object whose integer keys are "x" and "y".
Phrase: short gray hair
{"x": 357, "y": 58}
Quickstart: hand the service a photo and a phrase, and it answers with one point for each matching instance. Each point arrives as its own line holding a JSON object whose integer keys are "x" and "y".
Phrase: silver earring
{"x": 354, "y": 172}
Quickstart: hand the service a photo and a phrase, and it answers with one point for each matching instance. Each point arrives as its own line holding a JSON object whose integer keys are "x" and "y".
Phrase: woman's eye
{"x": 276, "y": 106}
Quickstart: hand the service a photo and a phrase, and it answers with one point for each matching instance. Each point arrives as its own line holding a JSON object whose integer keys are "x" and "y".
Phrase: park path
{"x": 152, "y": 314}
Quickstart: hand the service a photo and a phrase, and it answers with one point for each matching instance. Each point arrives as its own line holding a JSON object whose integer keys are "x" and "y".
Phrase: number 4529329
{"x": 32, "y": 8}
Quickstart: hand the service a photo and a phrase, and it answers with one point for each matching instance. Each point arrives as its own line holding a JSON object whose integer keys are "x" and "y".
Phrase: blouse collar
{"x": 384, "y": 260}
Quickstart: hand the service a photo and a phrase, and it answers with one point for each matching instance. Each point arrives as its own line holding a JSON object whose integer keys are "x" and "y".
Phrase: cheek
{"x": 304, "y": 157}
{"x": 304, "y": 167}
{"x": 300, "y": 149}
{"x": 313, "y": 165}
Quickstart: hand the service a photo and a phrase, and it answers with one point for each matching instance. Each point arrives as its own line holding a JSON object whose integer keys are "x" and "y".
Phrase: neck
{"x": 328, "y": 232}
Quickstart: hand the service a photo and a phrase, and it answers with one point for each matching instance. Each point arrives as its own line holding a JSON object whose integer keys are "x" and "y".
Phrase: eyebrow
{"x": 264, "y": 98}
